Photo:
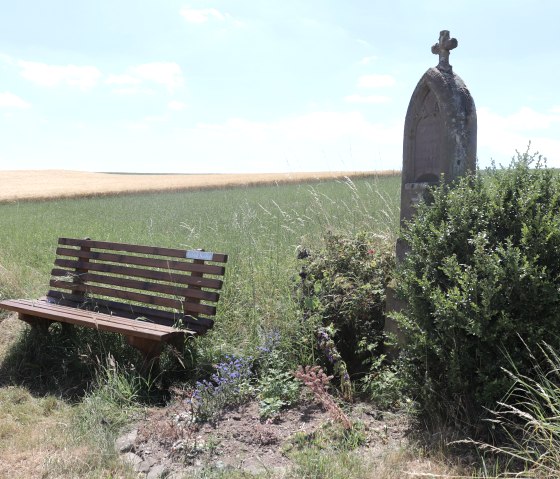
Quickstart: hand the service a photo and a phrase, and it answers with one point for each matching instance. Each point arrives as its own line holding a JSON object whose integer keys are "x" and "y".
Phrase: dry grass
{"x": 37, "y": 439}
{"x": 51, "y": 184}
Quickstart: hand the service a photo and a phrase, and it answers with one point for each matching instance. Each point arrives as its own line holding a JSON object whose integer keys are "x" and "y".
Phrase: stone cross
{"x": 442, "y": 48}
{"x": 439, "y": 131}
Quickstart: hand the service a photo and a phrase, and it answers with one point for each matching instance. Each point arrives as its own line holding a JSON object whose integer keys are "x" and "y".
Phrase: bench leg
{"x": 150, "y": 349}
{"x": 38, "y": 325}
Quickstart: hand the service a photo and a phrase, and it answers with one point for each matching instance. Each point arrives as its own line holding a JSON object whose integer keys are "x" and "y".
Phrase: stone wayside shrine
{"x": 439, "y": 139}
{"x": 439, "y": 129}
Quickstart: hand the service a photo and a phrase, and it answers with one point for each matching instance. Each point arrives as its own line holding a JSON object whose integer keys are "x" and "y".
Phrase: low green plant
{"x": 276, "y": 386}
{"x": 327, "y": 452}
{"x": 329, "y": 436}
{"x": 115, "y": 392}
{"x": 482, "y": 271}
{"x": 277, "y": 390}
{"x": 114, "y": 399}
{"x": 384, "y": 385}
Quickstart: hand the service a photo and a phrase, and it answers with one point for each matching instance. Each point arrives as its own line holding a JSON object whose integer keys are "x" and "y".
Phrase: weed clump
{"x": 318, "y": 382}
{"x": 343, "y": 291}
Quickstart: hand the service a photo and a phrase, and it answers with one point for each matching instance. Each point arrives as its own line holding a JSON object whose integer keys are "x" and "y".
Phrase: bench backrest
{"x": 162, "y": 285}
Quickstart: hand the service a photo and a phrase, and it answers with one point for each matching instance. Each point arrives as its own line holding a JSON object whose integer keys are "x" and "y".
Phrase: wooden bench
{"x": 150, "y": 295}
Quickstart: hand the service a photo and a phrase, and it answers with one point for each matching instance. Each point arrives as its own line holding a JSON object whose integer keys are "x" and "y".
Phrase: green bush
{"x": 482, "y": 276}
{"x": 343, "y": 291}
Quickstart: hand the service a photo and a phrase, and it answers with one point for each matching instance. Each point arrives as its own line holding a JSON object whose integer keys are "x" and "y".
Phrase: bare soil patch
{"x": 52, "y": 184}
{"x": 241, "y": 440}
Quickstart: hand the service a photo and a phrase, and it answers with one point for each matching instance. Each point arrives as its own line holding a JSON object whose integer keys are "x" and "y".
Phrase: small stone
{"x": 131, "y": 459}
{"x": 126, "y": 442}
{"x": 145, "y": 465}
{"x": 157, "y": 472}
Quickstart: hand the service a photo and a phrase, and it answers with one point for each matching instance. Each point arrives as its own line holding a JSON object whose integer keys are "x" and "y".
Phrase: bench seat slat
{"x": 131, "y": 248}
{"x": 90, "y": 319}
{"x": 200, "y": 324}
{"x": 141, "y": 285}
{"x": 143, "y": 261}
{"x": 168, "y": 276}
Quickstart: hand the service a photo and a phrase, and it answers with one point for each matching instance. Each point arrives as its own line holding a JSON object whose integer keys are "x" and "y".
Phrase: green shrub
{"x": 482, "y": 273}
{"x": 343, "y": 291}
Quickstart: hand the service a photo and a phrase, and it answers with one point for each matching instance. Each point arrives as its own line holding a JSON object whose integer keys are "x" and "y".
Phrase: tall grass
{"x": 527, "y": 422}
{"x": 259, "y": 227}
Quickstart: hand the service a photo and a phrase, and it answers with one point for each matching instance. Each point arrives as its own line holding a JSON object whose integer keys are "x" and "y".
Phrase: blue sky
{"x": 269, "y": 86}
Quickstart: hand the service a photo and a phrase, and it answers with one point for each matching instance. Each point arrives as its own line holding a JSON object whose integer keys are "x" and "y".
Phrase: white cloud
{"x": 500, "y": 135}
{"x": 133, "y": 90}
{"x": 318, "y": 141}
{"x": 368, "y": 60}
{"x": 163, "y": 73}
{"x": 7, "y": 59}
{"x": 156, "y": 119}
{"x": 375, "y": 81}
{"x": 9, "y": 100}
{"x": 82, "y": 77}
{"x": 370, "y": 99}
{"x": 205, "y": 15}
{"x": 528, "y": 119}
{"x": 137, "y": 79}
{"x": 201, "y": 15}
{"x": 176, "y": 105}
{"x": 122, "y": 80}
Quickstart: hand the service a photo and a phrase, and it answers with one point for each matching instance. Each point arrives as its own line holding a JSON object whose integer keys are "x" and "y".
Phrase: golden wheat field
{"x": 51, "y": 184}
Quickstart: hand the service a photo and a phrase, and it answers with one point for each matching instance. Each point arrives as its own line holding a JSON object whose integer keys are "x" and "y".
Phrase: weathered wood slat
{"x": 100, "y": 321}
{"x": 142, "y": 261}
{"x": 168, "y": 276}
{"x": 131, "y": 248}
{"x": 141, "y": 285}
{"x": 198, "y": 323}
{"x": 85, "y": 313}
{"x": 134, "y": 296}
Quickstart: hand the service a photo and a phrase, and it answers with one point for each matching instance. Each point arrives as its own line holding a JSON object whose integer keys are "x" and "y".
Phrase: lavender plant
{"x": 229, "y": 385}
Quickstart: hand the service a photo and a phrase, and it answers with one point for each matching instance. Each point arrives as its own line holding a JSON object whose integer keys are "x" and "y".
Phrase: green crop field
{"x": 259, "y": 227}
